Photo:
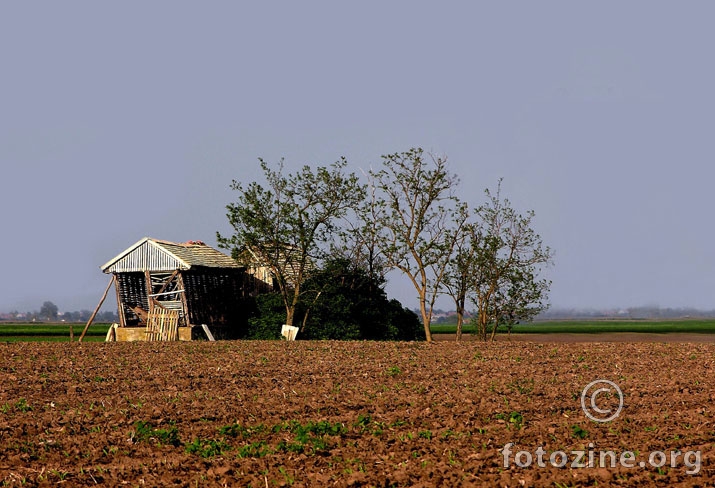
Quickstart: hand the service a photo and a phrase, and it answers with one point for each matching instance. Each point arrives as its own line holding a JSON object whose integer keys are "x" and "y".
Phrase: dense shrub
{"x": 342, "y": 302}
{"x": 266, "y": 317}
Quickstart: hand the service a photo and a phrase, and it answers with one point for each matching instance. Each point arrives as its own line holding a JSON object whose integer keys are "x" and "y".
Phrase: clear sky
{"x": 120, "y": 120}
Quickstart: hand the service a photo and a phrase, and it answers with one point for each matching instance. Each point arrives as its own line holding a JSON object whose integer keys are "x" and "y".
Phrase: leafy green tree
{"x": 419, "y": 222}
{"x": 505, "y": 259}
{"x": 288, "y": 224}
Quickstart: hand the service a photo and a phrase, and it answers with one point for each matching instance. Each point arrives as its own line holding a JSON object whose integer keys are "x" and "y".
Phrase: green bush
{"x": 350, "y": 305}
{"x": 353, "y": 305}
{"x": 267, "y": 317}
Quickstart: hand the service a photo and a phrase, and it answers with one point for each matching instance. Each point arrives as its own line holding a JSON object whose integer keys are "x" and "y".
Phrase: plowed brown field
{"x": 348, "y": 413}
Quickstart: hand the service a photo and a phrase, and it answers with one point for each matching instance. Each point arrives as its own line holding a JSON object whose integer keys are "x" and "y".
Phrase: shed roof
{"x": 156, "y": 255}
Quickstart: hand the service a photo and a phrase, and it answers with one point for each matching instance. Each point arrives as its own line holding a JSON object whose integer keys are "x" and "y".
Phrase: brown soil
{"x": 346, "y": 413}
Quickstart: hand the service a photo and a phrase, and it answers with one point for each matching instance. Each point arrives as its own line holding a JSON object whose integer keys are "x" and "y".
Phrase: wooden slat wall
{"x": 132, "y": 293}
{"x": 163, "y": 325}
{"x": 214, "y": 296}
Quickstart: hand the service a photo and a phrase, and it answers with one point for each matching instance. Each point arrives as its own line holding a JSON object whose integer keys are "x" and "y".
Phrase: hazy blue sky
{"x": 129, "y": 119}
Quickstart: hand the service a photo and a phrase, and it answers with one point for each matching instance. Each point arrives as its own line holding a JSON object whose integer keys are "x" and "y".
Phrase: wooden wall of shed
{"x": 214, "y": 296}
{"x": 131, "y": 292}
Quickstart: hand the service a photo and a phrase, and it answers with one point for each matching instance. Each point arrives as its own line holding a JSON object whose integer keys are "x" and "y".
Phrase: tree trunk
{"x": 290, "y": 311}
{"x": 494, "y": 329}
{"x": 290, "y": 308}
{"x": 425, "y": 319}
{"x": 307, "y": 312}
{"x": 483, "y": 325}
{"x": 460, "y": 320}
{"x": 460, "y": 314}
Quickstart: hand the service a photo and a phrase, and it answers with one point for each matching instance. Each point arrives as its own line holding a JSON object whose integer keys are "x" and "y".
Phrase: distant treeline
{"x": 49, "y": 312}
{"x": 70, "y": 317}
{"x": 448, "y": 317}
{"x": 646, "y": 312}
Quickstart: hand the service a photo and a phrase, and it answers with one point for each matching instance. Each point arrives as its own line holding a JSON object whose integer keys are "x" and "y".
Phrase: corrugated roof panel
{"x": 146, "y": 256}
{"x": 155, "y": 255}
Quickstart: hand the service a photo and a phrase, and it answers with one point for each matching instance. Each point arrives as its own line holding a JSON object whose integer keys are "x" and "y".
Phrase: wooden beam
{"x": 166, "y": 283}
{"x": 208, "y": 333}
{"x": 184, "y": 316}
{"x": 141, "y": 313}
{"x": 175, "y": 292}
{"x": 96, "y": 310}
{"x": 149, "y": 290}
{"x": 111, "y": 334}
{"x": 120, "y": 304}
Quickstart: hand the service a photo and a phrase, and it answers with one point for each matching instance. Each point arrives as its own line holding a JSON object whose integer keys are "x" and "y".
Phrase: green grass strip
{"x": 27, "y": 332}
{"x": 598, "y": 327}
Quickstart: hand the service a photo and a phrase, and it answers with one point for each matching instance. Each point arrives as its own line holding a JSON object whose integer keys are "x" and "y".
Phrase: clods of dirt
{"x": 355, "y": 414}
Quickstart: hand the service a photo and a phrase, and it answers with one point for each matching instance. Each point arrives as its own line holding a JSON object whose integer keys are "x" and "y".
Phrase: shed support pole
{"x": 120, "y": 304}
{"x": 96, "y": 310}
{"x": 149, "y": 291}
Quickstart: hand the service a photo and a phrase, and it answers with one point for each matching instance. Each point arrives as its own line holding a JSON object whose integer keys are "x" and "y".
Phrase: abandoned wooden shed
{"x": 185, "y": 285}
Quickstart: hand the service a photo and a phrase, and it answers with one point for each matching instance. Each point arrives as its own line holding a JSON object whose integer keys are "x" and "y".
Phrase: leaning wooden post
{"x": 96, "y": 310}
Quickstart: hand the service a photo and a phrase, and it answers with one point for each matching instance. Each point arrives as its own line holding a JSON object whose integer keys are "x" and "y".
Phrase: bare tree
{"x": 418, "y": 222}
{"x": 360, "y": 239}
{"x": 458, "y": 279}
{"x": 506, "y": 258}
